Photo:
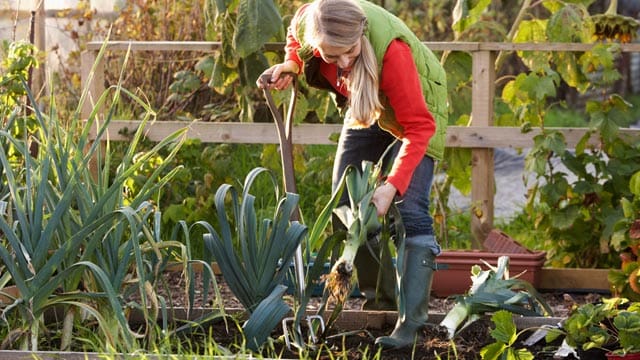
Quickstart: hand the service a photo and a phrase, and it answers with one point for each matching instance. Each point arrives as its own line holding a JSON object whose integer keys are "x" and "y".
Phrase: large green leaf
{"x": 634, "y": 184}
{"x": 564, "y": 218}
{"x": 568, "y": 25}
{"x": 468, "y": 12}
{"x": 537, "y": 87}
{"x": 265, "y": 318}
{"x": 458, "y": 67}
{"x": 570, "y": 71}
{"x": 258, "y": 21}
{"x": 251, "y": 67}
{"x": 223, "y": 77}
{"x": 533, "y": 31}
{"x": 459, "y": 160}
{"x": 505, "y": 330}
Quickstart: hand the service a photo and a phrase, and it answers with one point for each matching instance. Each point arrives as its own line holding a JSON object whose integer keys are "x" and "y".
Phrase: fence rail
{"x": 482, "y": 137}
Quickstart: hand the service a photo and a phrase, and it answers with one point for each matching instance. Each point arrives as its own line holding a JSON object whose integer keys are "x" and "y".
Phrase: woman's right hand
{"x": 278, "y": 76}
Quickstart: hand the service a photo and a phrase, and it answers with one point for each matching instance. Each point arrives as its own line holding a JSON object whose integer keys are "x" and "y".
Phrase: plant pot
{"x": 453, "y": 276}
{"x": 591, "y": 354}
{"x": 629, "y": 356}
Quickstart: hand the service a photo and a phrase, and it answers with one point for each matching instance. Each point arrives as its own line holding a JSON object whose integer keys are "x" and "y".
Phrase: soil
{"x": 360, "y": 344}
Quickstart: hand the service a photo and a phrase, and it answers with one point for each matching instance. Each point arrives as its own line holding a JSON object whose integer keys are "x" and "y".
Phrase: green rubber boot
{"x": 415, "y": 279}
{"x": 376, "y": 271}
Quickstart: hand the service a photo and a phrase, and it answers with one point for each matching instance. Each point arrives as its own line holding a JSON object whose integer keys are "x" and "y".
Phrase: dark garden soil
{"x": 360, "y": 344}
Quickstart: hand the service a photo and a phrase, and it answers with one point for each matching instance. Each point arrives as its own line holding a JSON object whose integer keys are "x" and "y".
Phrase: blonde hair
{"x": 341, "y": 23}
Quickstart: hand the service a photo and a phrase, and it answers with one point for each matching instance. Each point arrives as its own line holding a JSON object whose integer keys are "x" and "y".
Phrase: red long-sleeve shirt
{"x": 400, "y": 83}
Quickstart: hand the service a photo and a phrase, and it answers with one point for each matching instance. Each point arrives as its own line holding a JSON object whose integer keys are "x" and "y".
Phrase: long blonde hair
{"x": 341, "y": 23}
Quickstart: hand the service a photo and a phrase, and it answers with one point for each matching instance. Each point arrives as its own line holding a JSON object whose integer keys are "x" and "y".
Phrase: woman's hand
{"x": 382, "y": 198}
{"x": 279, "y": 76}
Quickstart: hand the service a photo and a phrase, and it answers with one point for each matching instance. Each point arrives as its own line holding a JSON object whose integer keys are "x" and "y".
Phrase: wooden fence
{"x": 480, "y": 136}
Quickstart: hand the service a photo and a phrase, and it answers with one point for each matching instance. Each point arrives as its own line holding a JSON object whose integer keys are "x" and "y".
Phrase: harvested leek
{"x": 360, "y": 219}
{"x": 493, "y": 290}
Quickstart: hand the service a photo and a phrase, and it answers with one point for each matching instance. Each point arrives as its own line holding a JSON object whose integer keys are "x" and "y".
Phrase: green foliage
{"x": 473, "y": 21}
{"x": 577, "y": 210}
{"x": 254, "y": 254}
{"x": 573, "y": 211}
{"x": 612, "y": 325}
{"x": 202, "y": 168}
{"x": 68, "y": 226}
{"x": 526, "y": 100}
{"x": 625, "y": 281}
{"x": 520, "y": 225}
{"x": 18, "y": 58}
{"x": 457, "y": 228}
{"x": 205, "y": 167}
{"x": 430, "y": 20}
{"x": 258, "y": 21}
{"x": 563, "y": 116}
{"x": 467, "y": 13}
{"x": 243, "y": 27}
{"x": 505, "y": 334}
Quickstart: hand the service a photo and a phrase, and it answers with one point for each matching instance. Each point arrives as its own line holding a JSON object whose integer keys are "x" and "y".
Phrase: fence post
{"x": 94, "y": 85}
{"x": 92, "y": 82}
{"x": 482, "y": 174}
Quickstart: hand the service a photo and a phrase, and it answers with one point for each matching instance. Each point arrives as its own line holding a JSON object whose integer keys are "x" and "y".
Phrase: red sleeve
{"x": 292, "y": 43}
{"x": 401, "y": 84}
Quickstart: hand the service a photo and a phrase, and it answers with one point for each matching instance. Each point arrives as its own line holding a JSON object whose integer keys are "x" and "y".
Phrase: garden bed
{"x": 351, "y": 346}
{"x": 360, "y": 328}
{"x": 354, "y": 333}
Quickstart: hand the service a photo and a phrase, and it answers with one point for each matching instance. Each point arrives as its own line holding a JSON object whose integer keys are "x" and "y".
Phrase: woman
{"x": 389, "y": 86}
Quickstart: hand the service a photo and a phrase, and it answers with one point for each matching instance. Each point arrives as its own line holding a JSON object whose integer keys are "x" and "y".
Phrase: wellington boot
{"x": 376, "y": 271}
{"x": 415, "y": 279}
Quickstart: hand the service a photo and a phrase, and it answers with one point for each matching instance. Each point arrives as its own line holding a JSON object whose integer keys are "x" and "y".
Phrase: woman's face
{"x": 343, "y": 57}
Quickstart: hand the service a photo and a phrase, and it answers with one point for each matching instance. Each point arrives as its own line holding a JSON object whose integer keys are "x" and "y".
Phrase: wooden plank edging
{"x": 568, "y": 280}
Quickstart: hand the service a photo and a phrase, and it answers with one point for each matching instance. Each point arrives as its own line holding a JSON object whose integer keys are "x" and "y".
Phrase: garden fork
{"x": 284, "y": 127}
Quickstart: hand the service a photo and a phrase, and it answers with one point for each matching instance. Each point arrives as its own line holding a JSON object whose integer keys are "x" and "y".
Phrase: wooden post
{"x": 482, "y": 175}
{"x": 92, "y": 82}
{"x": 39, "y": 41}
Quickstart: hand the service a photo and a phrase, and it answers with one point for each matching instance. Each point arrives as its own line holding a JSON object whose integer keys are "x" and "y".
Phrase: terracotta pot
{"x": 630, "y": 356}
{"x": 453, "y": 276}
{"x": 591, "y": 354}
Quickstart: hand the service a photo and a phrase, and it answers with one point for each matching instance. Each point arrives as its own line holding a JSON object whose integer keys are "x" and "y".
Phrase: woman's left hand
{"x": 382, "y": 198}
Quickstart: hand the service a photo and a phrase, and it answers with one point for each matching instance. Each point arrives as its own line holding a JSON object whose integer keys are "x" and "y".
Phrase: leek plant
{"x": 492, "y": 290}
{"x": 360, "y": 220}
{"x": 253, "y": 255}
{"x": 340, "y": 248}
{"x": 72, "y": 233}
